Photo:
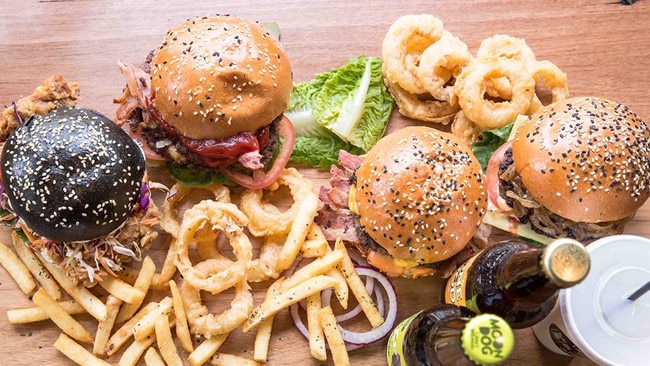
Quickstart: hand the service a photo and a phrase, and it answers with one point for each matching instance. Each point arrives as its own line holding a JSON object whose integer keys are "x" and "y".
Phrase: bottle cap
{"x": 566, "y": 262}
{"x": 487, "y": 339}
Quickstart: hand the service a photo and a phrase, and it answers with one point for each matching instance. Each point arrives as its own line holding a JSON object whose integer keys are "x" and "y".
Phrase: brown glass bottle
{"x": 517, "y": 281}
{"x": 450, "y": 335}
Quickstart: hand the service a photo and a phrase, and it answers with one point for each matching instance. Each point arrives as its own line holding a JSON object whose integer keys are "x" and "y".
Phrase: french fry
{"x": 315, "y": 244}
{"x": 334, "y": 337}
{"x": 206, "y": 349}
{"x": 227, "y": 359}
{"x": 287, "y": 298}
{"x": 122, "y": 335}
{"x": 142, "y": 283}
{"x": 17, "y": 269}
{"x": 135, "y": 350}
{"x": 122, "y": 290}
{"x": 341, "y": 289}
{"x": 34, "y": 265}
{"x": 263, "y": 335}
{"x": 35, "y": 314}
{"x": 317, "y": 267}
{"x": 80, "y": 294}
{"x": 298, "y": 232}
{"x": 161, "y": 280}
{"x": 77, "y": 353}
{"x": 357, "y": 287}
{"x": 145, "y": 327}
{"x": 314, "y": 328}
{"x": 152, "y": 358}
{"x": 105, "y": 326}
{"x": 182, "y": 328}
{"x": 60, "y": 317}
{"x": 166, "y": 342}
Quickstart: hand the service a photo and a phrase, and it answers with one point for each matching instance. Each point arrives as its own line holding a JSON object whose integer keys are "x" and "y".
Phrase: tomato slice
{"x": 260, "y": 178}
{"x": 492, "y": 177}
{"x": 149, "y": 153}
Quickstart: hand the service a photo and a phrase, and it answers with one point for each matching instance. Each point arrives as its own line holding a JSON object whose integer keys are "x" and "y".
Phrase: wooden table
{"x": 601, "y": 45}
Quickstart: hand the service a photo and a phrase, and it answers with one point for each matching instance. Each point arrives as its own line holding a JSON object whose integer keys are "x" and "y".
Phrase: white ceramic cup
{"x": 594, "y": 319}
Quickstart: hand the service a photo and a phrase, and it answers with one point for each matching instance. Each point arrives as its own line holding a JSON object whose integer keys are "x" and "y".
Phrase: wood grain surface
{"x": 600, "y": 44}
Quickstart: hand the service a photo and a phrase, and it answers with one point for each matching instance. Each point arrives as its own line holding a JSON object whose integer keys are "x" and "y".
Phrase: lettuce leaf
{"x": 489, "y": 142}
{"x": 347, "y": 108}
{"x": 197, "y": 177}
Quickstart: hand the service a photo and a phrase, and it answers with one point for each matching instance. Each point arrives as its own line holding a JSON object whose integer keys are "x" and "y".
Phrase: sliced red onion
{"x": 355, "y": 340}
{"x": 16, "y": 114}
{"x": 374, "y": 335}
{"x": 297, "y": 320}
{"x": 326, "y": 296}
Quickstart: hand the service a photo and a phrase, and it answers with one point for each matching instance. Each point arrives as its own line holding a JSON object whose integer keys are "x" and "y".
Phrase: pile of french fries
{"x": 130, "y": 329}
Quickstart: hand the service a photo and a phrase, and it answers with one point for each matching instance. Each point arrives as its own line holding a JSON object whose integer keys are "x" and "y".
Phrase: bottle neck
{"x": 444, "y": 343}
{"x": 524, "y": 279}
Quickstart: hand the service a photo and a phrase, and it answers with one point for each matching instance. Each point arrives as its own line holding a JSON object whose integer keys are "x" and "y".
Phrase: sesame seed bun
{"x": 72, "y": 174}
{"x": 216, "y": 76}
{"x": 585, "y": 159}
{"x": 420, "y": 194}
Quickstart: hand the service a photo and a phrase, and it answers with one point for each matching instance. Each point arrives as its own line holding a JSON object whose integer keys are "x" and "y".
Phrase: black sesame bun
{"x": 585, "y": 159}
{"x": 72, "y": 175}
{"x": 420, "y": 194}
{"x": 216, "y": 76}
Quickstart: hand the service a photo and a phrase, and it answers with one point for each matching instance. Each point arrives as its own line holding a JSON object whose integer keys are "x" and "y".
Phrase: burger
{"x": 578, "y": 168}
{"x": 75, "y": 184}
{"x": 211, "y": 97}
{"x": 412, "y": 205}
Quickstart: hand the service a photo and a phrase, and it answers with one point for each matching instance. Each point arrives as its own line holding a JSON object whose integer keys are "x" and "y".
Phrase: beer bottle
{"x": 450, "y": 335}
{"x": 517, "y": 281}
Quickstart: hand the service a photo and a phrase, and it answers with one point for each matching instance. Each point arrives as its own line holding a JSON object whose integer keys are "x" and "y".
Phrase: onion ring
{"x": 467, "y": 130}
{"x": 428, "y": 109}
{"x": 268, "y": 219}
{"x": 506, "y": 46}
{"x": 265, "y": 266}
{"x": 547, "y": 75}
{"x": 221, "y": 217}
{"x": 403, "y": 45}
{"x": 201, "y": 320}
{"x": 440, "y": 63}
{"x": 169, "y": 220}
{"x": 471, "y": 90}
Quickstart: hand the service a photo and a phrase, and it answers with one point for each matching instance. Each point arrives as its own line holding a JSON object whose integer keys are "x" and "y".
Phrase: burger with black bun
{"x": 77, "y": 185}
{"x": 211, "y": 98}
{"x": 412, "y": 205}
{"x": 578, "y": 168}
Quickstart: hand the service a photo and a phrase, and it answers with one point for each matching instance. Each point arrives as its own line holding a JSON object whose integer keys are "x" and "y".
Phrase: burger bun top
{"x": 585, "y": 159}
{"x": 216, "y": 76}
{"x": 420, "y": 194}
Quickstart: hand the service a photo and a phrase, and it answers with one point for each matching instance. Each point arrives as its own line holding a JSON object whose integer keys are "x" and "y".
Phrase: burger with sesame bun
{"x": 77, "y": 188}
{"x": 578, "y": 168}
{"x": 211, "y": 98}
{"x": 412, "y": 205}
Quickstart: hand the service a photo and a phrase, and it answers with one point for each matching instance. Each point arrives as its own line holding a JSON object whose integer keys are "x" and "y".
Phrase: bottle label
{"x": 456, "y": 289}
{"x": 395, "y": 347}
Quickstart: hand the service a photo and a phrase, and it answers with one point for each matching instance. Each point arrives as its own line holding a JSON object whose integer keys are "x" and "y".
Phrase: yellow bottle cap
{"x": 566, "y": 262}
{"x": 487, "y": 339}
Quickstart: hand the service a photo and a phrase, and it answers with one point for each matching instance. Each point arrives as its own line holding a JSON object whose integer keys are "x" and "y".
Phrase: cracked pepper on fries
{"x": 142, "y": 313}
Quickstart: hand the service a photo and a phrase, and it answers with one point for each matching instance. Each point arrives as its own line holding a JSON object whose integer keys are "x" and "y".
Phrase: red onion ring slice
{"x": 374, "y": 335}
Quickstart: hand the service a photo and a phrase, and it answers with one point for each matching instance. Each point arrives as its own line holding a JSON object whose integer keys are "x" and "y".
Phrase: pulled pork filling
{"x": 338, "y": 221}
{"x": 527, "y": 210}
{"x": 86, "y": 262}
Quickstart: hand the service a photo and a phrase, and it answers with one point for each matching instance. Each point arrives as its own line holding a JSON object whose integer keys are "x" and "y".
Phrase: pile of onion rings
{"x": 213, "y": 245}
{"x": 433, "y": 76}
